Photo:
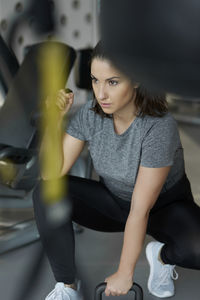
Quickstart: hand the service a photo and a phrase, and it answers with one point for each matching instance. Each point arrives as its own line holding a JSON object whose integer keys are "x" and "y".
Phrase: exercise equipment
{"x": 19, "y": 142}
{"x": 136, "y": 288}
{"x": 156, "y": 43}
{"x": 8, "y": 67}
{"x": 41, "y": 14}
{"x": 82, "y": 69}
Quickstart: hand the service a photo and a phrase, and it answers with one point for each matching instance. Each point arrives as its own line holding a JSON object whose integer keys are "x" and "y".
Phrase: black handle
{"x": 16, "y": 155}
{"x": 68, "y": 91}
{"x": 136, "y": 288}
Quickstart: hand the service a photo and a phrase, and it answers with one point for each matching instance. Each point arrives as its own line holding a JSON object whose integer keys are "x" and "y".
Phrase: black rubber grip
{"x": 68, "y": 91}
{"x": 136, "y": 288}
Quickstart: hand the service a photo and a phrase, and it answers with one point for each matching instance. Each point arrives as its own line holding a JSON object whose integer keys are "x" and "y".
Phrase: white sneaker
{"x": 61, "y": 292}
{"x": 160, "y": 282}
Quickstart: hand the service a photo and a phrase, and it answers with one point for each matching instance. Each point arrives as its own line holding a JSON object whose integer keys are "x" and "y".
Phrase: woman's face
{"x": 113, "y": 91}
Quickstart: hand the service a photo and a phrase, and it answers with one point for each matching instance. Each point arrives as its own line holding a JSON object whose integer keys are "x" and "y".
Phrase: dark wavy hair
{"x": 146, "y": 102}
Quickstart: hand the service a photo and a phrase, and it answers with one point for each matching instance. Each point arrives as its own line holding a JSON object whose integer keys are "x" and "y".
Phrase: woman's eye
{"x": 113, "y": 82}
{"x": 94, "y": 80}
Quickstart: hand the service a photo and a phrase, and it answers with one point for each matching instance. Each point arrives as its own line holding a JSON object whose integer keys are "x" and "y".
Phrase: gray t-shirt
{"x": 149, "y": 141}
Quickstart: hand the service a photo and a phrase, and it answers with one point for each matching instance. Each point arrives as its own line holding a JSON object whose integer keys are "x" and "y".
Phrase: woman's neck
{"x": 124, "y": 118}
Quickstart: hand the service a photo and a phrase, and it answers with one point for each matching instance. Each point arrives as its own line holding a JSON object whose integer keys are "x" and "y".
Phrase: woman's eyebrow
{"x": 111, "y": 78}
{"x": 114, "y": 77}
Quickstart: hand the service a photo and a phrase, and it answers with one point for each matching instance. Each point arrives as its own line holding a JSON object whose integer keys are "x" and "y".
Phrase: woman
{"x": 136, "y": 150}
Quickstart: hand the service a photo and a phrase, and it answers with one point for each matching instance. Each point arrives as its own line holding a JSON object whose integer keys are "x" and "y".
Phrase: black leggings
{"x": 174, "y": 221}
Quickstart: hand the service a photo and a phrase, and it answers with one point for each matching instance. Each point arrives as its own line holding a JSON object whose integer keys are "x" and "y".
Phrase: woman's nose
{"x": 101, "y": 93}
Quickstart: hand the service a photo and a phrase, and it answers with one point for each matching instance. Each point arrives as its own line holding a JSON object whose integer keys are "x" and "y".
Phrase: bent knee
{"x": 193, "y": 257}
{"x": 190, "y": 257}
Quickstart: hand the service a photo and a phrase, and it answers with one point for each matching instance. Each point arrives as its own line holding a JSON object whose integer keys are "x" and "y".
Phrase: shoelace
{"x": 168, "y": 272}
{"x": 58, "y": 292}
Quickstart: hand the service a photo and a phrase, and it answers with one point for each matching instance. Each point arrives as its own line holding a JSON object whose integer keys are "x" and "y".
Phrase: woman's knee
{"x": 186, "y": 255}
{"x": 192, "y": 255}
{"x": 39, "y": 210}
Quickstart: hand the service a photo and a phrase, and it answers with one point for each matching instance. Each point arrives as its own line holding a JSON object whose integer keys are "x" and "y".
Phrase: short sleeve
{"x": 160, "y": 144}
{"x": 78, "y": 124}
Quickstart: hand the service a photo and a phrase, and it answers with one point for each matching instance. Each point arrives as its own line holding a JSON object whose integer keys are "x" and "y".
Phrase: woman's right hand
{"x": 64, "y": 100}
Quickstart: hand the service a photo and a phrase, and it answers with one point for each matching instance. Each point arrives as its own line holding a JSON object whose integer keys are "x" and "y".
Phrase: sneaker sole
{"x": 150, "y": 261}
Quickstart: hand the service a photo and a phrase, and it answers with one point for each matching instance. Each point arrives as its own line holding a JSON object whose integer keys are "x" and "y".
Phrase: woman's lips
{"x": 105, "y": 104}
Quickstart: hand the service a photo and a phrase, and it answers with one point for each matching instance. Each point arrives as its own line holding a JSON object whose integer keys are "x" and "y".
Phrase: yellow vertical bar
{"x": 51, "y": 60}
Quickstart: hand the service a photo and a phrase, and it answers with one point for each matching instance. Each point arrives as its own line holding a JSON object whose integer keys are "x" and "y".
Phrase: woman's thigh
{"x": 177, "y": 220}
{"x": 93, "y": 206}
{"x": 178, "y": 226}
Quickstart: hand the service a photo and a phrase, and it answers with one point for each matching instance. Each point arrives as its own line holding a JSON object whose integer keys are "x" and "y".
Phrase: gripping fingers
{"x": 61, "y": 101}
{"x": 64, "y": 99}
{"x": 111, "y": 292}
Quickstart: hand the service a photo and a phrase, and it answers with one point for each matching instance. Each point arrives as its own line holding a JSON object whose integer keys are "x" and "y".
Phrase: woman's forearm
{"x": 134, "y": 235}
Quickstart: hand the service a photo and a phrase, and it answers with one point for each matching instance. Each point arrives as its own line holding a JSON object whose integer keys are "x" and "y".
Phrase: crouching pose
{"x": 137, "y": 153}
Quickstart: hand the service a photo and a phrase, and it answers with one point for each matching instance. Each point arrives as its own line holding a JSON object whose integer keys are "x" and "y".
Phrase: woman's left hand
{"x": 118, "y": 284}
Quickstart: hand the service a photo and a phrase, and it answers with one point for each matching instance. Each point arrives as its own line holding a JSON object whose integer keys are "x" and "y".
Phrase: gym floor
{"x": 98, "y": 253}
